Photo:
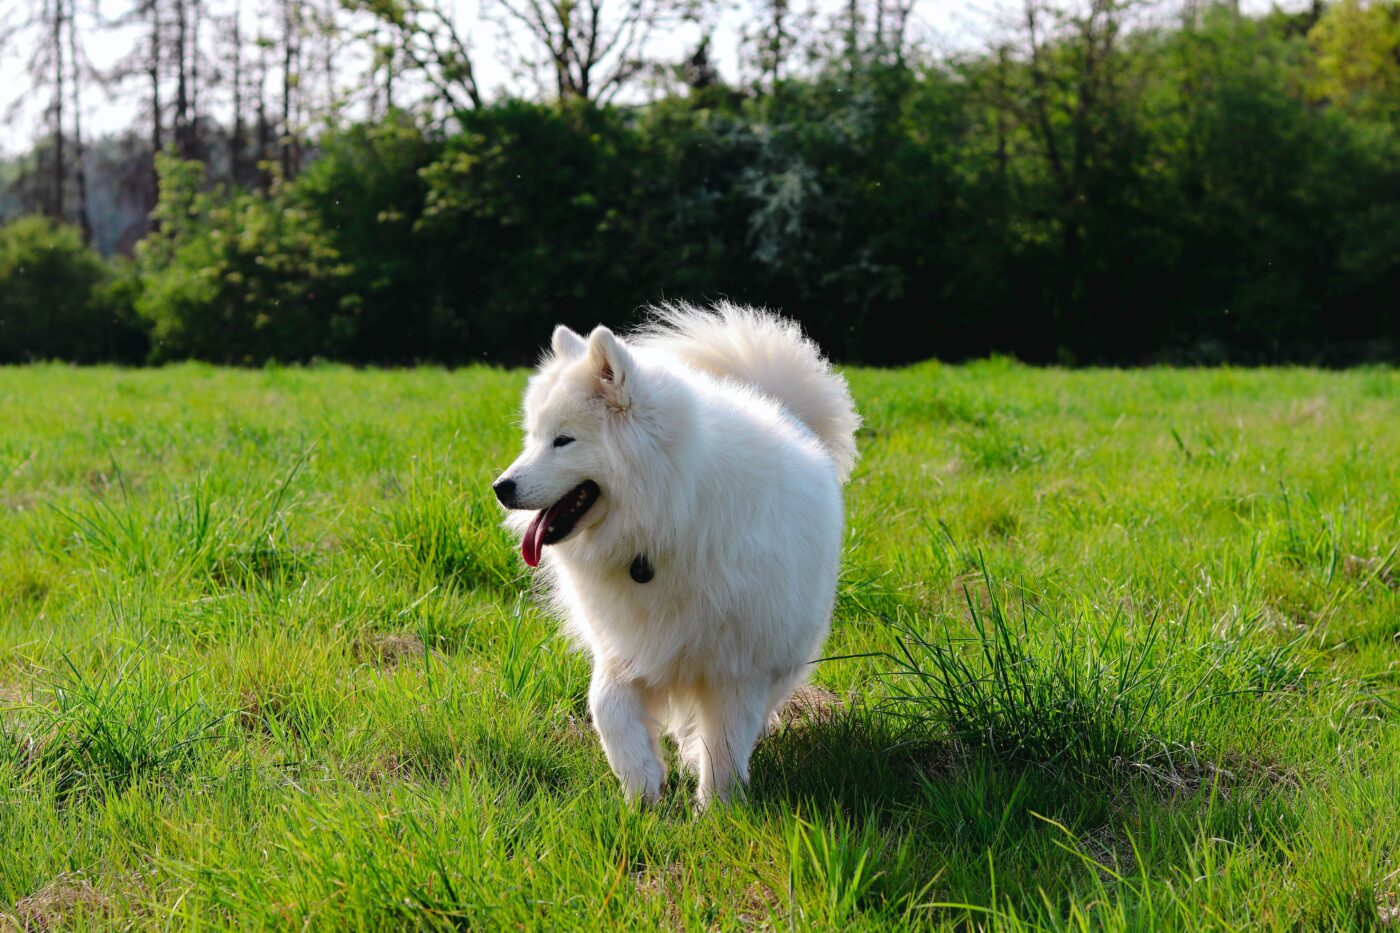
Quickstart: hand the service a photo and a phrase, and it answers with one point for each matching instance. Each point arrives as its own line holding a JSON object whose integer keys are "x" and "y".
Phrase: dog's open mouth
{"x": 552, "y": 525}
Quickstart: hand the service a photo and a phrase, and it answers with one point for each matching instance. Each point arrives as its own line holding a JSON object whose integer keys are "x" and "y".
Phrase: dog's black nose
{"x": 505, "y": 491}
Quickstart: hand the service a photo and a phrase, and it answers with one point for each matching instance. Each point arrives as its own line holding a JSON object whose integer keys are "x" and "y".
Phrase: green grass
{"x": 1115, "y": 650}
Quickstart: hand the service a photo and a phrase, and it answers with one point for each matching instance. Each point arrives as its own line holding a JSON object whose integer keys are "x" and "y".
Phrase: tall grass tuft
{"x": 1080, "y": 700}
{"x": 108, "y": 730}
{"x": 194, "y": 535}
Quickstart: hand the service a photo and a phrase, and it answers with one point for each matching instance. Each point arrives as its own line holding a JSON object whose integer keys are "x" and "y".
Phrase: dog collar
{"x": 641, "y": 569}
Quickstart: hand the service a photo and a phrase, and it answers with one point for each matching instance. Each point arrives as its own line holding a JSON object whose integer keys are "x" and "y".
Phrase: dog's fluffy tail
{"x": 770, "y": 353}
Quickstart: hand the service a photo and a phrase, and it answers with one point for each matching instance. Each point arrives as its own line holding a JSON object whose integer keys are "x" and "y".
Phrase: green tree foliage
{"x": 537, "y": 214}
{"x": 1357, "y": 57}
{"x": 367, "y": 195}
{"x": 1227, "y": 188}
{"x": 238, "y": 277}
{"x": 57, "y": 300}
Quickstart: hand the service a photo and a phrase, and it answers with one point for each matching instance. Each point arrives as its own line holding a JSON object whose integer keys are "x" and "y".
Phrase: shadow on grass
{"x": 859, "y": 761}
{"x": 1028, "y": 753}
{"x": 865, "y": 778}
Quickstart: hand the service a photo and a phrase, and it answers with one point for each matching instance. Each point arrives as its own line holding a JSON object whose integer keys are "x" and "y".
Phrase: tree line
{"x": 1102, "y": 183}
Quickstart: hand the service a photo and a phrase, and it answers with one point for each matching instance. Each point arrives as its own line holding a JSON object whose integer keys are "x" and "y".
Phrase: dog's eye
{"x": 563, "y": 441}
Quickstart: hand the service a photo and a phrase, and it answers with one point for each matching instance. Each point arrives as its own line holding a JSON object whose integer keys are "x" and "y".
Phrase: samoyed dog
{"x": 680, "y": 490}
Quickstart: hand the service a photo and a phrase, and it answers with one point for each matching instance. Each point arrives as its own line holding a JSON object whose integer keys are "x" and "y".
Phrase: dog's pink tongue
{"x": 533, "y": 543}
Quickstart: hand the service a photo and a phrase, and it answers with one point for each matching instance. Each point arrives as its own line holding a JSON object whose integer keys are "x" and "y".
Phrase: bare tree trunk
{"x": 264, "y": 125}
{"x": 780, "y": 9}
{"x": 329, "y": 35}
{"x": 235, "y": 143}
{"x": 157, "y": 143}
{"x": 157, "y": 139}
{"x": 290, "y": 67}
{"x": 852, "y": 31}
{"x": 901, "y": 25}
{"x": 389, "y": 77}
{"x": 182, "y": 100}
{"x": 197, "y": 11}
{"x": 60, "y": 168}
{"x": 79, "y": 168}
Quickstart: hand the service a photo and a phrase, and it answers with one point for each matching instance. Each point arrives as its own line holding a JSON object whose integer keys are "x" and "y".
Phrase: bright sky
{"x": 944, "y": 26}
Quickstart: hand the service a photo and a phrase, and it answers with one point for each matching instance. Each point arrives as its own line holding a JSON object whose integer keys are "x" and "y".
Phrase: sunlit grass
{"x": 1113, "y": 650}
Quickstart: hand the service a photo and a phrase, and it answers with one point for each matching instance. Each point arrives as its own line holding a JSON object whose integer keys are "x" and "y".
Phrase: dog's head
{"x": 572, "y": 460}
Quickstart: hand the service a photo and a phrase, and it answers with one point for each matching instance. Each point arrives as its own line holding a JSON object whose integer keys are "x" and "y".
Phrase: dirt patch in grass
{"x": 12, "y": 695}
{"x": 56, "y": 905}
{"x": 388, "y": 649}
{"x": 1282, "y": 622}
{"x": 1186, "y": 773}
{"x": 939, "y": 761}
{"x": 20, "y": 502}
{"x": 30, "y": 742}
{"x": 1311, "y": 410}
{"x": 1388, "y": 908}
{"x": 809, "y": 705}
{"x": 1110, "y": 850}
{"x": 385, "y": 768}
{"x": 759, "y": 903}
{"x": 665, "y": 883}
{"x": 969, "y": 587}
{"x": 1388, "y": 900}
{"x": 250, "y": 711}
{"x": 1367, "y": 569}
{"x": 577, "y": 731}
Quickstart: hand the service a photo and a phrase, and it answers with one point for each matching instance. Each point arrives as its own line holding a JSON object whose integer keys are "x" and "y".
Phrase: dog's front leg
{"x": 731, "y": 719}
{"x": 628, "y": 730}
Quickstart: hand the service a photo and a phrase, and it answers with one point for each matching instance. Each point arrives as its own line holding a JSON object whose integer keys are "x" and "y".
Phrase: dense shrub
{"x": 238, "y": 277}
{"x": 367, "y": 195}
{"x": 54, "y": 300}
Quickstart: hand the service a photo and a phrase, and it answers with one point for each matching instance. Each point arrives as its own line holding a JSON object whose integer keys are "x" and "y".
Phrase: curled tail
{"x": 770, "y": 353}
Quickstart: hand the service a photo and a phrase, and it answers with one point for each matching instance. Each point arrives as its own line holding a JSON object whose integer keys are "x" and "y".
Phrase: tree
{"x": 426, "y": 37}
{"x": 56, "y": 14}
{"x": 50, "y": 280}
{"x": 292, "y": 26}
{"x": 772, "y": 41}
{"x": 75, "y": 56}
{"x": 1357, "y": 57}
{"x": 237, "y": 135}
{"x": 1076, "y": 108}
{"x": 238, "y": 277}
{"x": 57, "y": 69}
{"x": 591, "y": 49}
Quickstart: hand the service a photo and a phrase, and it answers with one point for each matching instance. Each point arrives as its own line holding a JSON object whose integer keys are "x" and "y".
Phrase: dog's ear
{"x": 613, "y": 367}
{"x": 567, "y": 343}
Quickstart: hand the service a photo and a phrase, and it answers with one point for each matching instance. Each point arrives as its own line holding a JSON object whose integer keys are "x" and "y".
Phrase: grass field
{"x": 1113, "y": 650}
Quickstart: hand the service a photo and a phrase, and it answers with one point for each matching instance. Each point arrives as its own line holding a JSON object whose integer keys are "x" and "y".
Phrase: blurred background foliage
{"x": 1203, "y": 188}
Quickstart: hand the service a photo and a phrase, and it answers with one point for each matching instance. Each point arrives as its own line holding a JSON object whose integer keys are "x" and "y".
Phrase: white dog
{"x": 688, "y": 483}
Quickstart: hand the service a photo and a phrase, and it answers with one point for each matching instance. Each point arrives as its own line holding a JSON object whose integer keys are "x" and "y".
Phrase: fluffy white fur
{"x": 720, "y": 440}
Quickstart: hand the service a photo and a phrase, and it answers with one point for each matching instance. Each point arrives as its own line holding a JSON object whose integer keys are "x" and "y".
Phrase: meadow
{"x": 1113, "y": 650}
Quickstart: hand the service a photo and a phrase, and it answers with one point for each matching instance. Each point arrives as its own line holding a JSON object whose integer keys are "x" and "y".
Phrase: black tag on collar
{"x": 641, "y": 569}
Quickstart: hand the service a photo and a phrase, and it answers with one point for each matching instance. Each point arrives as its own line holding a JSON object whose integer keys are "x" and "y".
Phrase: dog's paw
{"x": 643, "y": 782}
{"x": 709, "y": 796}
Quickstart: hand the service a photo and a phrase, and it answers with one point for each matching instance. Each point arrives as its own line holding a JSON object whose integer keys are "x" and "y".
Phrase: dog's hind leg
{"x": 686, "y": 733}
{"x": 624, "y": 713}
{"x": 731, "y": 718}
